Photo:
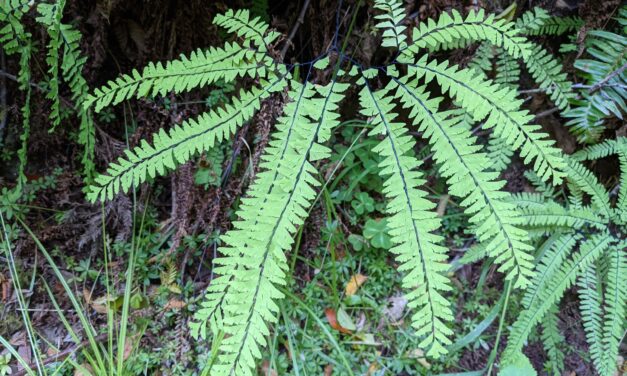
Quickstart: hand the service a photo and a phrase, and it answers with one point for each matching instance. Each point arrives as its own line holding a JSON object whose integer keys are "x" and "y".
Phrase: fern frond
{"x": 66, "y": 38}
{"x": 528, "y": 199}
{"x": 465, "y": 166}
{"x": 586, "y": 119}
{"x": 552, "y": 215}
{"x": 556, "y": 26}
{"x": 585, "y": 180}
{"x": 507, "y": 71}
{"x": 242, "y": 300}
{"x": 532, "y": 20}
{"x": 483, "y": 98}
{"x": 50, "y": 16}
{"x": 15, "y": 39}
{"x": 562, "y": 279}
{"x": 621, "y": 205}
{"x": 453, "y": 32}
{"x": 547, "y": 73}
{"x": 252, "y": 29}
{"x": 548, "y": 265}
{"x": 12, "y": 32}
{"x": 546, "y": 190}
{"x": 552, "y": 339}
{"x": 592, "y": 313}
{"x": 179, "y": 144}
{"x": 199, "y": 69}
{"x": 23, "y": 79}
{"x": 253, "y": 254}
{"x": 392, "y": 23}
{"x": 615, "y": 296}
{"x": 481, "y": 62}
{"x": 499, "y": 153}
{"x": 601, "y": 150}
{"x": 605, "y": 66}
{"x": 72, "y": 68}
{"x": 411, "y": 223}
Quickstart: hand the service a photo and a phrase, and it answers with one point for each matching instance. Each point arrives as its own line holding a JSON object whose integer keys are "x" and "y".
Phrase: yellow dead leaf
{"x": 355, "y": 282}
{"x": 174, "y": 304}
{"x": 420, "y": 356}
{"x": 372, "y": 369}
{"x": 84, "y": 370}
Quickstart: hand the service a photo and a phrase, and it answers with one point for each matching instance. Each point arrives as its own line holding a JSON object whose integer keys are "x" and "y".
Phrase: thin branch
{"x": 62, "y": 354}
{"x": 41, "y": 88}
{"x": 599, "y": 84}
{"x": 3, "y": 97}
{"x": 299, "y": 21}
{"x": 547, "y": 113}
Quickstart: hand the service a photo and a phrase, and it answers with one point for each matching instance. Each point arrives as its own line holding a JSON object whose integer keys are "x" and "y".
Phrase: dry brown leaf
{"x": 328, "y": 370}
{"x": 128, "y": 348}
{"x": 86, "y": 370}
{"x": 372, "y": 369}
{"x": 266, "y": 370}
{"x": 332, "y": 319}
{"x": 419, "y": 355}
{"x": 355, "y": 282}
{"x": 87, "y": 296}
{"x": 174, "y": 304}
{"x": 100, "y": 304}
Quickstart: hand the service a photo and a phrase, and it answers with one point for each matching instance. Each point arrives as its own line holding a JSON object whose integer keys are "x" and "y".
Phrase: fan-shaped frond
{"x": 465, "y": 167}
{"x": 561, "y": 280}
{"x": 411, "y": 223}
{"x": 179, "y": 144}
{"x": 199, "y": 69}
{"x": 392, "y": 23}
{"x": 483, "y": 98}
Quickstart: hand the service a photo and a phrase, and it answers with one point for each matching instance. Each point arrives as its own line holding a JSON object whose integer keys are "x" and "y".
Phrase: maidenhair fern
{"x": 605, "y": 90}
{"x": 242, "y": 301}
{"x": 65, "y": 64}
{"x": 583, "y": 237}
{"x": 15, "y": 39}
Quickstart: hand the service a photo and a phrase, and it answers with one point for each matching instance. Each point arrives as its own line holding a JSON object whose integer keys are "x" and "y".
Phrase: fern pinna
{"x": 243, "y": 300}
